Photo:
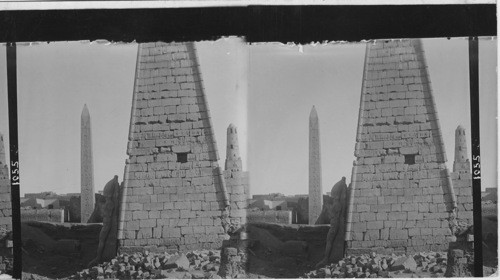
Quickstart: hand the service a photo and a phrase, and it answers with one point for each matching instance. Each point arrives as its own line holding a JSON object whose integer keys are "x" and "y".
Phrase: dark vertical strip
{"x": 14, "y": 158}
{"x": 476, "y": 162}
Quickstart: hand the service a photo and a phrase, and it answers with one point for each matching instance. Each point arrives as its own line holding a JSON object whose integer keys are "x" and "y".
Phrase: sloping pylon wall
{"x": 174, "y": 194}
{"x": 402, "y": 198}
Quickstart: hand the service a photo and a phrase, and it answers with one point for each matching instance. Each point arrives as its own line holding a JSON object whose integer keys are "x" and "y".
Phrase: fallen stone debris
{"x": 6, "y": 265}
{"x": 192, "y": 265}
{"x": 6, "y": 258}
{"x": 384, "y": 266}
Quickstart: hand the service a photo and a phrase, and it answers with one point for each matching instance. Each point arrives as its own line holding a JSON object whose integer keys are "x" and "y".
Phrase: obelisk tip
{"x": 85, "y": 111}
{"x": 313, "y": 114}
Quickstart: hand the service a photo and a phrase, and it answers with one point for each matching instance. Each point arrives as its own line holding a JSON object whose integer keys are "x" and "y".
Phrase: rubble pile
{"x": 6, "y": 265}
{"x": 147, "y": 265}
{"x": 6, "y": 258}
{"x": 383, "y": 266}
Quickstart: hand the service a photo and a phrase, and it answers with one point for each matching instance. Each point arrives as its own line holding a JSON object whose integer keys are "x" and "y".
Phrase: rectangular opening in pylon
{"x": 409, "y": 159}
{"x": 182, "y": 157}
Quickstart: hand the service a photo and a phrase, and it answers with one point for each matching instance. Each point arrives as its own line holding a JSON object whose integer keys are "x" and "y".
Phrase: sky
{"x": 266, "y": 90}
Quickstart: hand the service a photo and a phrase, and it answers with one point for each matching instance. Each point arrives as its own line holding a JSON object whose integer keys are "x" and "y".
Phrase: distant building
{"x": 490, "y": 194}
{"x": 297, "y": 204}
{"x": 271, "y": 196}
{"x": 68, "y": 202}
{"x": 40, "y": 203}
{"x": 50, "y": 194}
{"x": 264, "y": 204}
{"x": 41, "y": 195}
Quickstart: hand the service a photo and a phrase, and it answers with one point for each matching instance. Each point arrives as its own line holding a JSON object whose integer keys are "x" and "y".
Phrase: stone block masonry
{"x": 237, "y": 181}
{"x": 174, "y": 194}
{"x": 5, "y": 197}
{"x": 401, "y": 199}
{"x": 237, "y": 184}
{"x": 462, "y": 180}
{"x": 233, "y": 159}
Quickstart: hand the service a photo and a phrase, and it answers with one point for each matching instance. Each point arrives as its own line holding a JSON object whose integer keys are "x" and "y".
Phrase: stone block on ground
{"x": 177, "y": 261}
{"x": 404, "y": 263}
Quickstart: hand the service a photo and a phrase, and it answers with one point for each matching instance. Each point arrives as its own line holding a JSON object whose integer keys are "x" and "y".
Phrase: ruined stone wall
{"x": 174, "y": 196}
{"x": 43, "y": 215}
{"x": 462, "y": 180}
{"x": 270, "y": 216}
{"x": 402, "y": 198}
{"x": 5, "y": 197}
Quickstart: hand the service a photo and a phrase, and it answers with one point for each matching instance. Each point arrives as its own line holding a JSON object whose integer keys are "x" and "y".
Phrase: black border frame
{"x": 298, "y": 24}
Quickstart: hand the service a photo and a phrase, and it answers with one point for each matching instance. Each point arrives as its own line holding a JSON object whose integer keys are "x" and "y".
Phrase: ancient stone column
{"x": 462, "y": 180}
{"x": 87, "y": 168}
{"x": 233, "y": 159}
{"x": 237, "y": 182}
{"x": 402, "y": 197}
{"x": 315, "y": 189}
{"x": 5, "y": 199}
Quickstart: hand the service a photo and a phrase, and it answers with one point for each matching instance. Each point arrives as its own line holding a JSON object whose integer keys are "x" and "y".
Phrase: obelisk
{"x": 87, "y": 167}
{"x": 315, "y": 189}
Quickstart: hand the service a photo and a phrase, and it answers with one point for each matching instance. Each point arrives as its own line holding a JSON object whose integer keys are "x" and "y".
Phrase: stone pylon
{"x": 401, "y": 198}
{"x": 174, "y": 195}
{"x": 462, "y": 180}
{"x": 5, "y": 197}
{"x": 233, "y": 159}
{"x": 87, "y": 167}
{"x": 315, "y": 188}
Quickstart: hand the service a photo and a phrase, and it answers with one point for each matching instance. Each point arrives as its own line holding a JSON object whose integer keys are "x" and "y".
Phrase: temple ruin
{"x": 401, "y": 197}
{"x": 175, "y": 197}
